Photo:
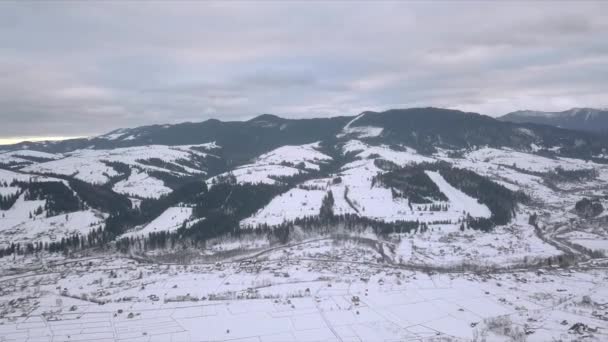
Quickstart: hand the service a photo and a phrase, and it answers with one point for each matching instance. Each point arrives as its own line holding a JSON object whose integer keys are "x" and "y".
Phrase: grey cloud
{"x": 70, "y": 68}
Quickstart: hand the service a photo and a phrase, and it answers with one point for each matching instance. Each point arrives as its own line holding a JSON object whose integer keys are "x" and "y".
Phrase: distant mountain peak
{"x": 578, "y": 118}
{"x": 267, "y": 118}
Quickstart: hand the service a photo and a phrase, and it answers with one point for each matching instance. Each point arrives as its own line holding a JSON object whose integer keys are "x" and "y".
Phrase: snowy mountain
{"x": 584, "y": 119}
{"x": 400, "y": 169}
{"x": 414, "y": 224}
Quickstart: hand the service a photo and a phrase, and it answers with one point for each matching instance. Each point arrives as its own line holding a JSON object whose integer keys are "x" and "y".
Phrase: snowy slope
{"x": 459, "y": 200}
{"x": 259, "y": 174}
{"x": 22, "y": 158}
{"x": 355, "y": 194}
{"x": 377, "y": 202}
{"x": 170, "y": 220}
{"x": 20, "y": 223}
{"x": 402, "y": 157}
{"x": 45, "y": 229}
{"x": 285, "y": 161}
{"x": 307, "y": 154}
{"x": 523, "y": 160}
{"x": 7, "y": 176}
{"x": 142, "y": 185}
{"x": 90, "y": 166}
{"x": 360, "y": 131}
{"x": 296, "y": 203}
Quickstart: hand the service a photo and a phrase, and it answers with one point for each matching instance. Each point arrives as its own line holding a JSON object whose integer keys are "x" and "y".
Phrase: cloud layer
{"x": 80, "y": 68}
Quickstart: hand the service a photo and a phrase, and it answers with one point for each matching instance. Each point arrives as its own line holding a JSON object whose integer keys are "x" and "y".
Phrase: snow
{"x": 258, "y": 174}
{"x": 354, "y": 146}
{"x": 18, "y": 227}
{"x": 20, "y": 211}
{"x": 307, "y": 154}
{"x": 280, "y": 162}
{"x": 170, "y": 220}
{"x": 362, "y": 132}
{"x": 20, "y": 157}
{"x": 89, "y": 166}
{"x": 295, "y": 203}
{"x": 401, "y": 157}
{"x": 10, "y": 176}
{"x": 354, "y": 194}
{"x": 524, "y": 160}
{"x": 305, "y": 290}
{"x": 459, "y": 200}
{"x": 9, "y": 190}
{"x": 16, "y": 224}
{"x": 377, "y": 202}
{"x": 141, "y": 185}
{"x": 31, "y": 153}
{"x": 115, "y": 134}
{"x": 330, "y": 301}
{"x": 347, "y": 126}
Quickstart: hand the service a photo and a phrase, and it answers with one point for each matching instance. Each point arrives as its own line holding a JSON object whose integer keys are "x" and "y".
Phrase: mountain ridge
{"x": 584, "y": 119}
{"x": 401, "y": 170}
{"x": 422, "y": 127}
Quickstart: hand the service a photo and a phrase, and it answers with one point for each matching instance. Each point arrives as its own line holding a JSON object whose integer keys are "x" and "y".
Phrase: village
{"x": 330, "y": 293}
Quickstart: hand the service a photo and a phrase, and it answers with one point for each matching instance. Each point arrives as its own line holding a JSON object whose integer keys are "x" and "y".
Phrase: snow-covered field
{"x": 26, "y": 220}
{"x": 259, "y": 174}
{"x": 442, "y": 284}
{"x": 307, "y": 154}
{"x": 459, "y": 200}
{"x": 91, "y": 165}
{"x": 283, "y": 162}
{"x": 17, "y": 227}
{"x": 315, "y": 291}
{"x": 22, "y": 158}
{"x": 402, "y": 157}
{"x": 295, "y": 203}
{"x": 141, "y": 184}
{"x": 170, "y": 220}
{"x": 524, "y": 161}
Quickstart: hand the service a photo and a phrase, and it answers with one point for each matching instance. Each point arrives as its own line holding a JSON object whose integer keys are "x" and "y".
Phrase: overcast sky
{"x": 83, "y": 68}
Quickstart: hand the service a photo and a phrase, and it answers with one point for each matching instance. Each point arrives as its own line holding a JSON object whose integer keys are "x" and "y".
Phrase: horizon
{"x": 7, "y": 141}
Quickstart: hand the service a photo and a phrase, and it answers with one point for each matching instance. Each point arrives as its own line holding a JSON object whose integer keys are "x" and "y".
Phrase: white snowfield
{"x": 295, "y": 203}
{"x": 8, "y": 177}
{"x": 25, "y": 157}
{"x": 402, "y": 157}
{"x": 524, "y": 160}
{"x": 285, "y": 161}
{"x": 354, "y": 193}
{"x": 89, "y": 166}
{"x": 170, "y": 220}
{"x": 359, "y": 131}
{"x": 259, "y": 174}
{"x": 293, "y": 294}
{"x": 8, "y": 190}
{"x": 21, "y": 224}
{"x": 20, "y": 212}
{"x": 140, "y": 184}
{"x": 317, "y": 288}
{"x": 48, "y": 229}
{"x": 459, "y": 200}
{"x": 351, "y": 186}
{"x": 307, "y": 154}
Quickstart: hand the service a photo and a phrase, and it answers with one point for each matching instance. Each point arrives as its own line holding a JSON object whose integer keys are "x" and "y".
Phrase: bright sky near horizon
{"x": 83, "y": 68}
{"x": 14, "y": 140}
